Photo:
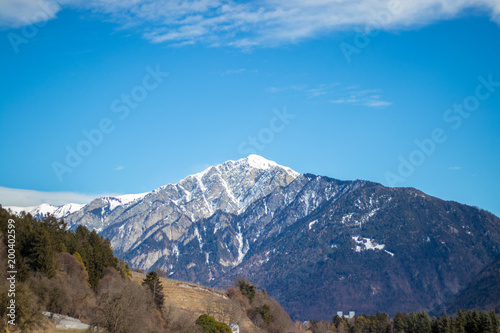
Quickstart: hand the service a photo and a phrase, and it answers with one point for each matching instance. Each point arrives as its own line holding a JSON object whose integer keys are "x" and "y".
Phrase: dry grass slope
{"x": 195, "y": 300}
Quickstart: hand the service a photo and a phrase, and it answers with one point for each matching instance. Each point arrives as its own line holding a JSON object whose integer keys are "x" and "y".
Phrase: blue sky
{"x": 148, "y": 92}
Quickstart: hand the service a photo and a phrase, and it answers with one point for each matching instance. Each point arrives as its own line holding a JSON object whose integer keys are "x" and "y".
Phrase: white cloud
{"x": 268, "y": 22}
{"x": 234, "y": 71}
{"x": 368, "y": 97}
{"x": 16, "y": 13}
{"x": 274, "y": 90}
{"x": 311, "y": 92}
{"x": 119, "y": 168}
{"x": 25, "y": 198}
{"x": 349, "y": 95}
{"x": 455, "y": 168}
{"x": 375, "y": 103}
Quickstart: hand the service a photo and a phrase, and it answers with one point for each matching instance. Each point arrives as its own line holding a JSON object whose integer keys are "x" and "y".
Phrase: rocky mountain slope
{"x": 317, "y": 244}
{"x": 482, "y": 293}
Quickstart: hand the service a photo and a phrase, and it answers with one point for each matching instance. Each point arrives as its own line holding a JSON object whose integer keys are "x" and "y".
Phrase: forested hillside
{"x": 74, "y": 273}
{"x": 55, "y": 269}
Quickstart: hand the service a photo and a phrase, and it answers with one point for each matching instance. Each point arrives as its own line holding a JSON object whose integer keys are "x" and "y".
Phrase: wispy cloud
{"x": 25, "y": 198}
{"x": 337, "y": 94}
{"x": 238, "y": 71}
{"x": 274, "y": 90}
{"x": 119, "y": 168}
{"x": 455, "y": 168}
{"x": 248, "y": 24}
{"x": 368, "y": 97}
{"x": 311, "y": 92}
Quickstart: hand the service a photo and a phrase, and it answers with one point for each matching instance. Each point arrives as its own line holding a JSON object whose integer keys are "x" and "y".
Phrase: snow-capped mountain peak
{"x": 230, "y": 186}
{"x": 250, "y": 162}
{"x": 300, "y": 235}
{"x": 259, "y": 162}
{"x": 233, "y": 185}
{"x": 124, "y": 199}
{"x": 45, "y": 208}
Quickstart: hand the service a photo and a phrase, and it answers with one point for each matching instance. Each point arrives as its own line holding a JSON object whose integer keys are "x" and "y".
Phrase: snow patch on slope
{"x": 242, "y": 250}
{"x": 312, "y": 223}
{"x": 366, "y": 244}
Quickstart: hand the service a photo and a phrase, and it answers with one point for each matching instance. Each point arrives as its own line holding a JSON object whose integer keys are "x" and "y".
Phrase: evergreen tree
{"x": 381, "y": 323}
{"x": 445, "y": 324}
{"x": 124, "y": 270}
{"x": 494, "y": 321}
{"x": 98, "y": 255}
{"x": 210, "y": 325}
{"x": 413, "y": 322}
{"x": 472, "y": 324}
{"x": 265, "y": 313}
{"x": 400, "y": 322}
{"x": 419, "y": 323}
{"x": 41, "y": 278}
{"x": 460, "y": 322}
{"x": 485, "y": 325}
{"x": 247, "y": 289}
{"x": 38, "y": 249}
{"x": 435, "y": 325}
{"x": 336, "y": 321}
{"x": 152, "y": 281}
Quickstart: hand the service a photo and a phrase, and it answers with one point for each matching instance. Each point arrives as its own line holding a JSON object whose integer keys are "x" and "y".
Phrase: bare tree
{"x": 180, "y": 321}
{"x": 124, "y": 307}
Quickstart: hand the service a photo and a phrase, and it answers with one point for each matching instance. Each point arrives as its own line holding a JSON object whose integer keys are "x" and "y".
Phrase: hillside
{"x": 318, "y": 245}
{"x": 482, "y": 293}
{"x": 61, "y": 274}
{"x": 373, "y": 249}
{"x": 194, "y": 300}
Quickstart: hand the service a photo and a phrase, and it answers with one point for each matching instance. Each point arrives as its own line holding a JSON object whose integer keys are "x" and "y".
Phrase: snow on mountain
{"x": 64, "y": 211}
{"x": 44, "y": 209}
{"x": 317, "y": 244}
{"x": 123, "y": 200}
{"x": 258, "y": 162}
{"x": 229, "y": 187}
{"x": 366, "y": 244}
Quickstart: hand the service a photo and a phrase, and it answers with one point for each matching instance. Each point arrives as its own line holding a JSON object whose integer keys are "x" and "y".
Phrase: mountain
{"x": 316, "y": 244}
{"x": 44, "y": 209}
{"x": 96, "y": 215}
{"x": 482, "y": 293}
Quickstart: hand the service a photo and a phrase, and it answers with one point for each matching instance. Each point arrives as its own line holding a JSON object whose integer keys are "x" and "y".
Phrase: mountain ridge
{"x": 317, "y": 244}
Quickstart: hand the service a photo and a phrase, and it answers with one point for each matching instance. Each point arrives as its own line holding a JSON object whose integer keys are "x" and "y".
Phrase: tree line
{"x": 58, "y": 270}
{"x": 470, "y": 321}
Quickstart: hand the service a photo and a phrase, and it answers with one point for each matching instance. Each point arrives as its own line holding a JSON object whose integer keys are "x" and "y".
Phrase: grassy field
{"x": 197, "y": 300}
{"x": 190, "y": 297}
